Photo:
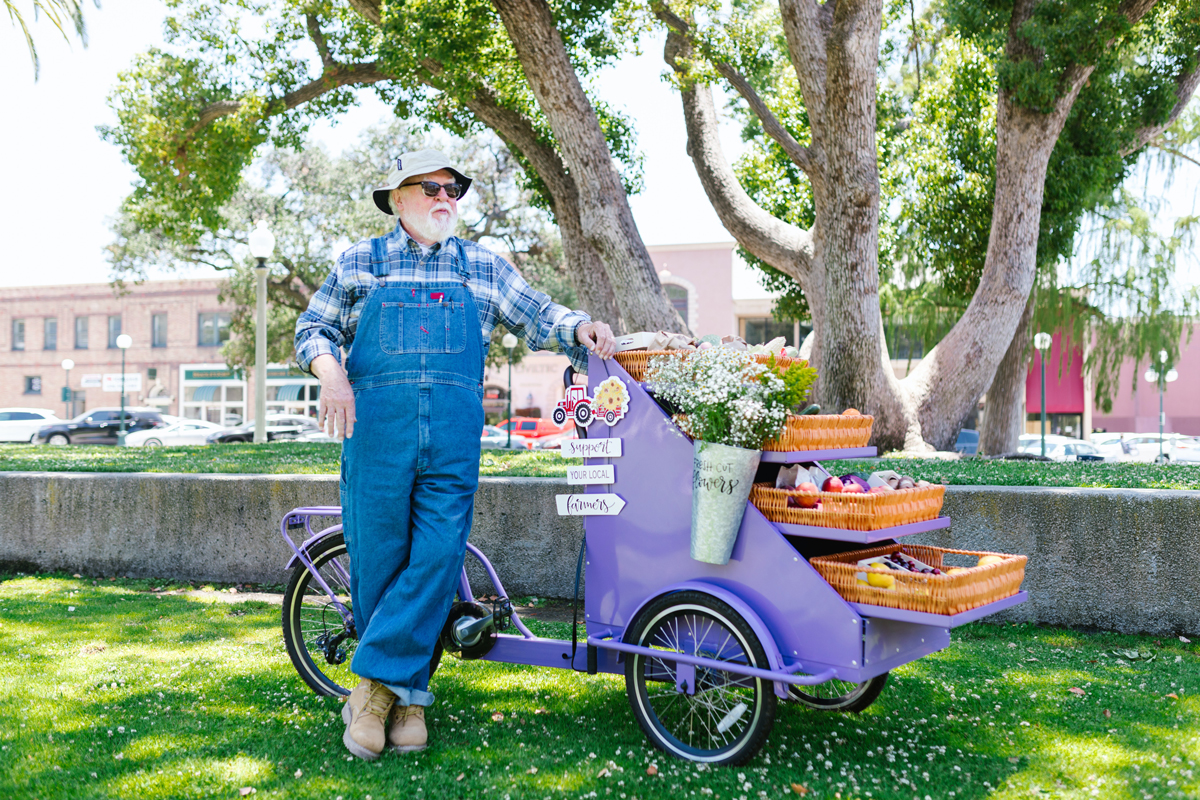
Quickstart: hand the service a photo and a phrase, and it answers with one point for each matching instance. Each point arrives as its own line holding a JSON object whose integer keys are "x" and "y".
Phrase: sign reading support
{"x": 590, "y": 476}
{"x": 591, "y": 448}
{"x": 589, "y": 505}
{"x": 112, "y": 382}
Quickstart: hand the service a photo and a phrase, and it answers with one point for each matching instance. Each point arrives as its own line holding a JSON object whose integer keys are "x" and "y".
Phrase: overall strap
{"x": 380, "y": 263}
{"x": 463, "y": 270}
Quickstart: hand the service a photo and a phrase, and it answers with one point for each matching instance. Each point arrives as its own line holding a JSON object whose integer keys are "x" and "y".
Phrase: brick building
{"x": 174, "y": 363}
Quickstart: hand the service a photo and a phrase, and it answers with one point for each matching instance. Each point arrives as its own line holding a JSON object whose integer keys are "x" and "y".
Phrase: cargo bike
{"x": 707, "y": 651}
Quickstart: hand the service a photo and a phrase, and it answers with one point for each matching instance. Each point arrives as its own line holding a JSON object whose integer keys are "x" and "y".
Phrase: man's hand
{"x": 597, "y": 337}
{"x": 335, "y": 412}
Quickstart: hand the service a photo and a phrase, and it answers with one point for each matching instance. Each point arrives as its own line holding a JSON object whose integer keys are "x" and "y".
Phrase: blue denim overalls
{"x": 410, "y": 471}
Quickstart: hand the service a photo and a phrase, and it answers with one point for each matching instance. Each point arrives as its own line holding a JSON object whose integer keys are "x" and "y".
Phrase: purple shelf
{"x": 862, "y": 537}
{"x": 802, "y": 456}
{"x": 939, "y": 620}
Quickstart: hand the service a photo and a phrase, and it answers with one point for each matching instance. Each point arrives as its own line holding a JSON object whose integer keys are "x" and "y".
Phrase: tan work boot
{"x": 364, "y": 713}
{"x": 407, "y": 733}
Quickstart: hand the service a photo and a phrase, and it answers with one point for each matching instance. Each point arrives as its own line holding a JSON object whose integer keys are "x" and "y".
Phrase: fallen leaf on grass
{"x": 497, "y": 717}
{"x": 604, "y": 773}
{"x": 800, "y": 789}
{"x": 531, "y": 771}
{"x": 1173, "y": 696}
{"x": 540, "y": 711}
{"x": 1185, "y": 640}
{"x": 1107, "y": 714}
{"x": 299, "y": 773}
{"x": 461, "y": 775}
{"x": 247, "y": 790}
{"x": 1014, "y": 760}
{"x": 651, "y": 770}
{"x": 1077, "y": 690}
{"x": 92, "y": 647}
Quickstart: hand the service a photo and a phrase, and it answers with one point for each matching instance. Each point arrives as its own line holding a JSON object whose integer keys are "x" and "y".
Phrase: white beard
{"x": 433, "y": 228}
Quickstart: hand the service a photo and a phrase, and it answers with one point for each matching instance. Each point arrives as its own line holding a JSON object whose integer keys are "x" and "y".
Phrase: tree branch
{"x": 1158, "y": 143}
{"x": 314, "y": 33}
{"x": 334, "y": 78}
{"x": 369, "y": 9}
{"x": 806, "y": 28}
{"x": 1185, "y": 87}
{"x": 783, "y": 246}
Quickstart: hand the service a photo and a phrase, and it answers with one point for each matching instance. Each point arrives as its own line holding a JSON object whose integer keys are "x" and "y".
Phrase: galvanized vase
{"x": 722, "y": 477}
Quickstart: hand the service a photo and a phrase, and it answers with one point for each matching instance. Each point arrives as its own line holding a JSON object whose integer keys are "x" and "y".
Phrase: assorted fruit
{"x": 808, "y": 483}
{"x": 880, "y": 571}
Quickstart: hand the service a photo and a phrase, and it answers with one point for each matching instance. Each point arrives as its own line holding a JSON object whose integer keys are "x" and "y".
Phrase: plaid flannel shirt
{"x": 499, "y": 291}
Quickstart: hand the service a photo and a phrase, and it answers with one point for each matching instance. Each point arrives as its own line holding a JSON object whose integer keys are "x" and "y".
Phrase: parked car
{"x": 493, "y": 438}
{"x": 22, "y": 424}
{"x": 187, "y": 431}
{"x": 279, "y": 426}
{"x": 1060, "y": 448}
{"x": 967, "y": 442}
{"x": 554, "y": 442}
{"x": 1186, "y": 451}
{"x": 314, "y": 436}
{"x": 534, "y": 427}
{"x": 99, "y": 426}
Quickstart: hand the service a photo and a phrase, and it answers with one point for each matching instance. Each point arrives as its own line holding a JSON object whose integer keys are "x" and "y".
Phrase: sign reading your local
{"x": 589, "y": 505}
{"x": 591, "y": 448}
{"x": 590, "y": 476}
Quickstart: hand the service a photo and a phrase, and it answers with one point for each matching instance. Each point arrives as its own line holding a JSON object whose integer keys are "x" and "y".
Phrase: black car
{"x": 279, "y": 426}
{"x": 98, "y": 426}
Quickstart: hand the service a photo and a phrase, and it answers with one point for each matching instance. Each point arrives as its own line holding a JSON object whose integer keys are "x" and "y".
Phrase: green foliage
{"x": 61, "y": 13}
{"x": 798, "y": 379}
{"x": 254, "y": 55}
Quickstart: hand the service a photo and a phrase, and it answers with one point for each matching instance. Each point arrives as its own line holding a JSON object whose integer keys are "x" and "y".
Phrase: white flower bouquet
{"x": 729, "y": 404}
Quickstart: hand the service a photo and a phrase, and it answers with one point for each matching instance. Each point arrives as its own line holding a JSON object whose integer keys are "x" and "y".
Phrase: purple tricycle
{"x": 707, "y": 651}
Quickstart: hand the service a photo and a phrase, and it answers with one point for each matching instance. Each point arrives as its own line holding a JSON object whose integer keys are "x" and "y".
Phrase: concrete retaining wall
{"x": 1116, "y": 559}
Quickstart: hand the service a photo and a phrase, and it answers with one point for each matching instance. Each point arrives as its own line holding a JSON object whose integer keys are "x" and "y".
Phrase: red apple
{"x": 808, "y": 497}
{"x": 833, "y": 484}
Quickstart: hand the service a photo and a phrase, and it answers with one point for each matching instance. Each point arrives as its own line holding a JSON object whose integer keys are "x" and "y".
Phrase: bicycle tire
{"x": 745, "y": 706}
{"x": 836, "y": 695}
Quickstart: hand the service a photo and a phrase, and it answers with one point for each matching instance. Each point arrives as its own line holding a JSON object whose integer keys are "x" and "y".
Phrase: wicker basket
{"x": 933, "y": 594}
{"x": 823, "y": 432}
{"x": 635, "y": 361}
{"x": 856, "y": 512}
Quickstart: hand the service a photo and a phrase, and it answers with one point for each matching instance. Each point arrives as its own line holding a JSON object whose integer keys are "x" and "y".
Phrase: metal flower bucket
{"x": 722, "y": 477}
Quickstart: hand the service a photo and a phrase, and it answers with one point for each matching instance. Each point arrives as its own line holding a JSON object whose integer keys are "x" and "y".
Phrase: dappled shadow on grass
{"x": 200, "y": 702}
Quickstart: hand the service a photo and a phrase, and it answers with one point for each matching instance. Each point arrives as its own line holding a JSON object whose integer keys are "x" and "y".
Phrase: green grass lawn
{"x": 110, "y": 691}
{"x": 323, "y": 459}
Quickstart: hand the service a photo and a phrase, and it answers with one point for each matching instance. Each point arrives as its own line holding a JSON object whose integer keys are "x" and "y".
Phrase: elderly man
{"x": 415, "y": 310}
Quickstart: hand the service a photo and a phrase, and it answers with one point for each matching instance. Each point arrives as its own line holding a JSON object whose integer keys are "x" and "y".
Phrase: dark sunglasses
{"x": 431, "y": 188}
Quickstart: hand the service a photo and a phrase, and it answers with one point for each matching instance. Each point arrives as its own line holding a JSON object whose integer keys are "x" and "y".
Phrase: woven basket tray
{"x": 823, "y": 432}
{"x": 933, "y": 594}
{"x": 856, "y": 512}
{"x": 635, "y": 361}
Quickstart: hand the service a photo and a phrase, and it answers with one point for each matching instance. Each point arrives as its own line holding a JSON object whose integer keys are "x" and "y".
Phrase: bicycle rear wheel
{"x": 319, "y": 641}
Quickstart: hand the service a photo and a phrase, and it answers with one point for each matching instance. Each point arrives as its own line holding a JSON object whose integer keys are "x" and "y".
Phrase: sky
{"x": 64, "y": 183}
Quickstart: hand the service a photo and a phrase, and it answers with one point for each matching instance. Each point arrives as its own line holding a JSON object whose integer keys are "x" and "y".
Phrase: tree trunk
{"x": 1004, "y": 419}
{"x": 606, "y": 218}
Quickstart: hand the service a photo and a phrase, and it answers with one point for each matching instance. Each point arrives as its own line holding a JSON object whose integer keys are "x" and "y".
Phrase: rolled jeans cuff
{"x": 411, "y": 697}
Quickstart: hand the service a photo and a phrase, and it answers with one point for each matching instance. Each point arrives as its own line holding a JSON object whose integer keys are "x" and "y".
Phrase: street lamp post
{"x": 1161, "y": 376}
{"x": 123, "y": 341}
{"x": 68, "y": 393}
{"x": 509, "y": 341}
{"x": 262, "y": 244}
{"x": 1042, "y": 342}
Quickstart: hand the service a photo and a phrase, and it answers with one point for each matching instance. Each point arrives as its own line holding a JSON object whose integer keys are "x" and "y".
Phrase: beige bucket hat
{"x": 418, "y": 162}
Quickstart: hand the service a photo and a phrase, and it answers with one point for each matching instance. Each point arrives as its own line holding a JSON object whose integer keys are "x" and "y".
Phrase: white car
{"x": 187, "y": 431}
{"x": 1186, "y": 451}
{"x": 21, "y": 424}
{"x": 1060, "y": 448}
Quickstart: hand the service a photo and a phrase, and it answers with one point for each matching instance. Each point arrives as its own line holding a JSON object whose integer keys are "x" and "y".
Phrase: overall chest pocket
{"x": 422, "y": 327}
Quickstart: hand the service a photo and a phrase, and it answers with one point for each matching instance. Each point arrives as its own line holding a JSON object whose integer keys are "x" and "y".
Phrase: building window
{"x": 33, "y": 384}
{"x": 158, "y": 330}
{"x": 114, "y": 330}
{"x": 678, "y": 295}
{"x": 904, "y": 342}
{"x": 81, "y": 342}
{"x": 18, "y": 337}
{"x": 214, "y": 329}
{"x": 50, "y": 333}
{"x": 764, "y": 329}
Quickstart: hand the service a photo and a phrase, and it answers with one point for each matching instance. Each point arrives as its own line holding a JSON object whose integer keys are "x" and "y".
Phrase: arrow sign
{"x": 589, "y": 505}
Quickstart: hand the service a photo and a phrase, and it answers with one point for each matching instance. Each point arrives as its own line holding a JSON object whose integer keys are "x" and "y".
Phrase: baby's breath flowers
{"x": 726, "y": 397}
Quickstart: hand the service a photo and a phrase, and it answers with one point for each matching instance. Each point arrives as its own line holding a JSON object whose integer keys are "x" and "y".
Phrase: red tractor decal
{"x": 610, "y": 404}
